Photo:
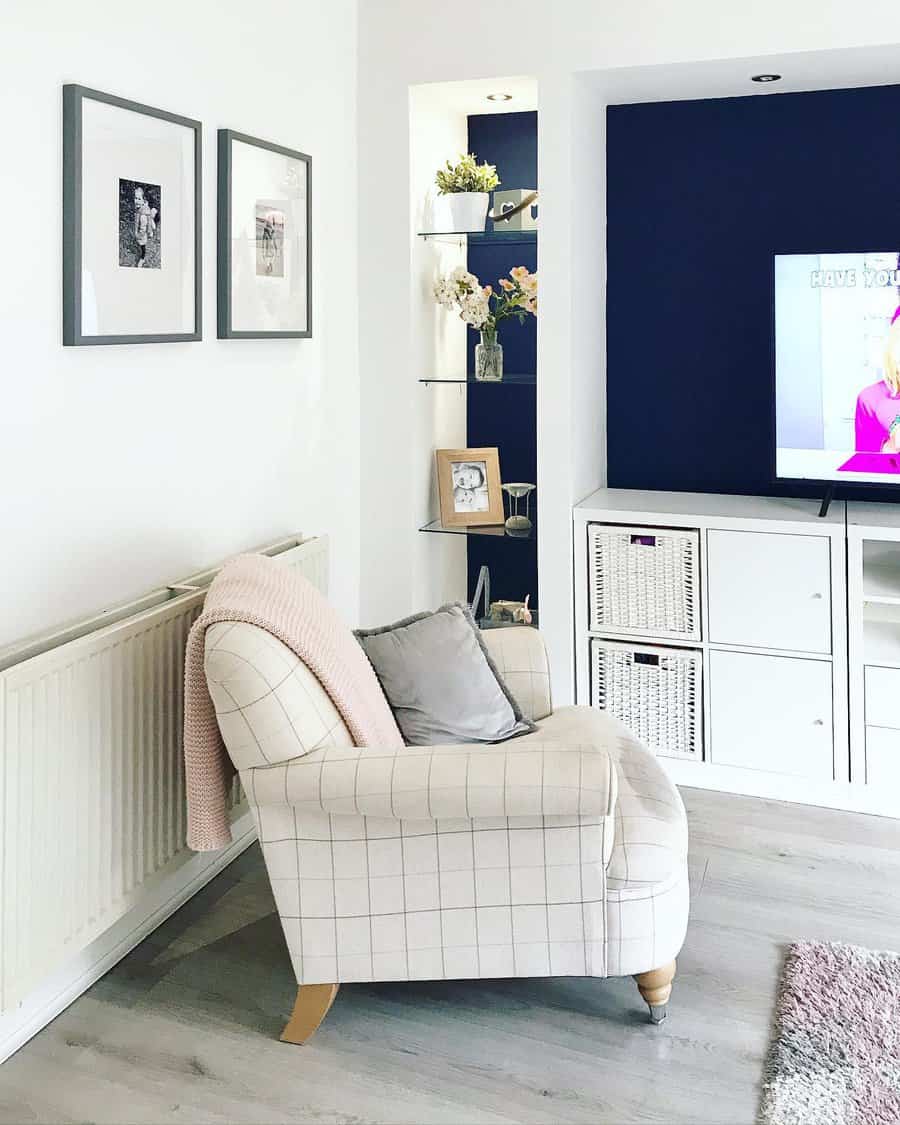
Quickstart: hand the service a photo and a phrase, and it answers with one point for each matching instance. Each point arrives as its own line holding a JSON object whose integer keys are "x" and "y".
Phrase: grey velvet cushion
{"x": 440, "y": 681}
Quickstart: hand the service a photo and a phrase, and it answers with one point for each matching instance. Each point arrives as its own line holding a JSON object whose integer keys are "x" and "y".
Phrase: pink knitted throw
{"x": 264, "y": 592}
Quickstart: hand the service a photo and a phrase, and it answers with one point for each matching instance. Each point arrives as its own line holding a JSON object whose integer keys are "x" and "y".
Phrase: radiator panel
{"x": 92, "y": 787}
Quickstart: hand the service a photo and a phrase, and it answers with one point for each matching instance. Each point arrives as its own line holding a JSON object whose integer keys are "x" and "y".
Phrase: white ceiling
{"x": 719, "y": 78}
{"x": 723, "y": 78}
{"x": 468, "y": 98}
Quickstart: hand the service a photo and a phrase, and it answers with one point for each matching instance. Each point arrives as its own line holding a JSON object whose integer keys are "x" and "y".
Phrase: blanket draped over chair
{"x": 261, "y": 591}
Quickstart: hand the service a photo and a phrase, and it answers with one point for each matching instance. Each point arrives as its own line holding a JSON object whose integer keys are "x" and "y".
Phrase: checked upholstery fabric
{"x": 560, "y": 853}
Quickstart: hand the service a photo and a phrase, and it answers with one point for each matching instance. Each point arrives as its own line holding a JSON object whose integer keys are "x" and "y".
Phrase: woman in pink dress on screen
{"x": 878, "y": 406}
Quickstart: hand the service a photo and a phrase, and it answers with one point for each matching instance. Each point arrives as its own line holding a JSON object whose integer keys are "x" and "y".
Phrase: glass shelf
{"x": 499, "y": 531}
{"x": 473, "y": 237}
{"x": 517, "y": 380}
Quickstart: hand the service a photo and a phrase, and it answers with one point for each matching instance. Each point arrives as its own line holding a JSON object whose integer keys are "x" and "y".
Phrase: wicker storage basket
{"x": 644, "y": 581}
{"x": 655, "y": 692}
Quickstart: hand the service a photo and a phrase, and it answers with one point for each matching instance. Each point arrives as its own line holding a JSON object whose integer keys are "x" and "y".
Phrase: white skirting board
{"x": 783, "y": 787}
{"x": 187, "y": 875}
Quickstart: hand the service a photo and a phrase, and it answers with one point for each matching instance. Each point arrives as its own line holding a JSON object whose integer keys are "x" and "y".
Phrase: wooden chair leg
{"x": 310, "y": 1008}
{"x": 656, "y": 987}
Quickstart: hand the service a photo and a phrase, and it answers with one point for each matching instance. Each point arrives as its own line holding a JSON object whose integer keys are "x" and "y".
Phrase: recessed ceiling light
{"x": 766, "y": 78}
{"x": 499, "y": 97}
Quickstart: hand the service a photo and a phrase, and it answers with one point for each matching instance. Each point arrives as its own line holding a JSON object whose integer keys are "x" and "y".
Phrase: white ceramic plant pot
{"x": 467, "y": 209}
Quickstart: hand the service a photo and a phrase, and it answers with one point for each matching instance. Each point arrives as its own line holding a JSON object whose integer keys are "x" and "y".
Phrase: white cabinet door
{"x": 882, "y": 697}
{"x": 769, "y": 591}
{"x": 883, "y": 759}
{"x": 771, "y": 713}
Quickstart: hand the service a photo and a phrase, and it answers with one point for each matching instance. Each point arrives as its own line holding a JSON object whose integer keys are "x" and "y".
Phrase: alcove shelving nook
{"x": 456, "y": 410}
{"x": 752, "y": 645}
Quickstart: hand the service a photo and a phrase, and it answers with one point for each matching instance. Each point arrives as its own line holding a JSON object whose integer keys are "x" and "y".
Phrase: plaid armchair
{"x": 560, "y": 853}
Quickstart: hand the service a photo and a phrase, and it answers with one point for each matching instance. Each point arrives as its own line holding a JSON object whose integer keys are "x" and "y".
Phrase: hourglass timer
{"x": 516, "y": 522}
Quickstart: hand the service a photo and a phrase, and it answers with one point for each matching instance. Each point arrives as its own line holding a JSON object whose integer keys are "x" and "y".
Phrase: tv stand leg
{"x": 826, "y": 501}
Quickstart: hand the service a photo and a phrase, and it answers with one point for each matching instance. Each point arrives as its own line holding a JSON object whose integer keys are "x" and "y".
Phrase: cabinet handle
{"x": 818, "y": 722}
{"x": 817, "y": 597}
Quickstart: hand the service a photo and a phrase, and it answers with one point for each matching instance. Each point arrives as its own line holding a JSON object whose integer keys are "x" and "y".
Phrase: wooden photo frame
{"x": 469, "y": 486}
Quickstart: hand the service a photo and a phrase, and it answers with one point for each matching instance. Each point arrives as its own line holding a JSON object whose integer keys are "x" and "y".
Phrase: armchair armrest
{"x": 431, "y": 782}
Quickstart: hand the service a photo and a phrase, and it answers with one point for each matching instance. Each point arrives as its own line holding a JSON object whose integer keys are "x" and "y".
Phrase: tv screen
{"x": 837, "y": 367}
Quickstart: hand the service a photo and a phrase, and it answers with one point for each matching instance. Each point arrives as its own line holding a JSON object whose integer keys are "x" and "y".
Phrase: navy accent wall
{"x": 508, "y": 140}
{"x": 504, "y": 414}
{"x": 700, "y": 195}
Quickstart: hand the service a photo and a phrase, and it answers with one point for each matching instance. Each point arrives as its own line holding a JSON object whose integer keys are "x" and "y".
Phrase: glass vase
{"x": 488, "y": 358}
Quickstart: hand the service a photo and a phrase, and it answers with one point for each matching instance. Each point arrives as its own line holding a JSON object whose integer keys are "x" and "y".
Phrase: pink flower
{"x": 518, "y": 273}
{"x": 505, "y": 285}
{"x": 488, "y": 290}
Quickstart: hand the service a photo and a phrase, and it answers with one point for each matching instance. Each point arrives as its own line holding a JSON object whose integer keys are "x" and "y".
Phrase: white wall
{"x": 402, "y": 46}
{"x": 437, "y": 349}
{"x": 124, "y": 467}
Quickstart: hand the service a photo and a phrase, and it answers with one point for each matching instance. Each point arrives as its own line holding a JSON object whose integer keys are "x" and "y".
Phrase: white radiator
{"x": 91, "y": 771}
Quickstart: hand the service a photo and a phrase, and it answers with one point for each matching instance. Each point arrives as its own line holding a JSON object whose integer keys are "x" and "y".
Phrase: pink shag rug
{"x": 836, "y": 1055}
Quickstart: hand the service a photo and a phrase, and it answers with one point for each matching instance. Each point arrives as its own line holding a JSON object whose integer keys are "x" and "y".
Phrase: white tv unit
{"x": 794, "y": 641}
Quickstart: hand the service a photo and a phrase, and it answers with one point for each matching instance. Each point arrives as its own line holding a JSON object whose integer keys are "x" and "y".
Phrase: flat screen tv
{"x": 837, "y": 367}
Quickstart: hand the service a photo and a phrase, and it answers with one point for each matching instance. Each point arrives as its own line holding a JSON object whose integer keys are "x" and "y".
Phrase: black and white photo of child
{"x": 470, "y": 492}
{"x": 139, "y": 225}
{"x": 270, "y": 223}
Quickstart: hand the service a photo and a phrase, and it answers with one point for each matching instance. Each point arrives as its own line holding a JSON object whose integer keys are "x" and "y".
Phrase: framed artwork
{"x": 264, "y": 249}
{"x": 131, "y": 222}
{"x": 469, "y": 486}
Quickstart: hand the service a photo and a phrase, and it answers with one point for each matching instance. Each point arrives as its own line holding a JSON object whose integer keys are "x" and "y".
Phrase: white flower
{"x": 444, "y": 293}
{"x": 461, "y": 290}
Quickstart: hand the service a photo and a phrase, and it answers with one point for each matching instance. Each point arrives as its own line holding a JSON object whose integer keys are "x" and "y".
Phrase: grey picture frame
{"x": 224, "y": 263}
{"x": 73, "y": 99}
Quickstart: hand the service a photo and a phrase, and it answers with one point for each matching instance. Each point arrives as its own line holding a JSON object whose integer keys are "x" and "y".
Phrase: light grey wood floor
{"x": 185, "y": 1029}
